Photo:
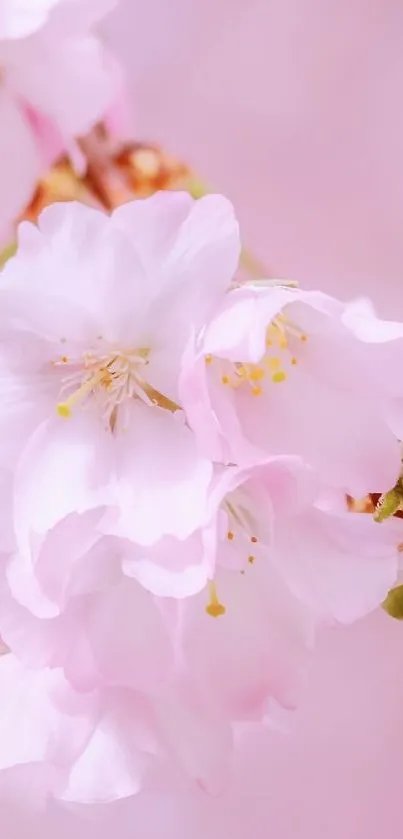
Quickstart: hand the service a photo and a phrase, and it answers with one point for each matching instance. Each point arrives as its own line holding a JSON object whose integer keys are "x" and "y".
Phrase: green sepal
{"x": 389, "y": 503}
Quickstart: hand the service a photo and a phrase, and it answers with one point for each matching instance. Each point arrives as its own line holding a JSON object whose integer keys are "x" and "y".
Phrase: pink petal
{"x": 45, "y": 71}
{"x": 190, "y": 250}
{"x": 163, "y": 481}
{"x": 19, "y": 160}
{"x": 341, "y": 435}
{"x": 341, "y": 566}
{"x": 253, "y": 651}
{"x": 194, "y": 737}
{"x": 19, "y": 18}
{"x": 41, "y": 718}
{"x": 111, "y": 765}
{"x": 86, "y": 561}
{"x": 173, "y": 567}
{"x": 238, "y": 330}
{"x": 65, "y": 468}
{"x": 76, "y": 17}
{"x": 119, "y": 620}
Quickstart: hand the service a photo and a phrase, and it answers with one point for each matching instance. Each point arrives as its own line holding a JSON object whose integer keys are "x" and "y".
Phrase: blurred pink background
{"x": 293, "y": 109}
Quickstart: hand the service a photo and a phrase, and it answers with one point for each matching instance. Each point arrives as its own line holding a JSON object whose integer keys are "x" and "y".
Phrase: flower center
{"x": 241, "y": 527}
{"x": 242, "y": 533}
{"x": 282, "y": 339}
{"x": 111, "y": 380}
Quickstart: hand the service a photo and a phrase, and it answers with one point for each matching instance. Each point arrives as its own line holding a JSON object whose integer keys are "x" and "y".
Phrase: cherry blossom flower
{"x": 279, "y": 518}
{"x": 97, "y": 312}
{"x": 279, "y": 371}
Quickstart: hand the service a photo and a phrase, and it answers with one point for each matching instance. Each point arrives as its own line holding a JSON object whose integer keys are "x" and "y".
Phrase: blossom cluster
{"x": 176, "y": 452}
{"x": 56, "y": 80}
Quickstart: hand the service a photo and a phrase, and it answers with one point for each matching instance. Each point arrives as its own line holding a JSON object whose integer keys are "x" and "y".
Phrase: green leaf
{"x": 393, "y": 604}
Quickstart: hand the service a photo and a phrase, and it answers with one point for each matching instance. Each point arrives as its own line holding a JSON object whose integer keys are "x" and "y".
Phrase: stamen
{"x": 230, "y": 535}
{"x": 278, "y": 335}
{"x": 209, "y": 359}
{"x": 251, "y": 560}
{"x": 214, "y": 608}
{"x": 64, "y": 408}
{"x": 254, "y": 539}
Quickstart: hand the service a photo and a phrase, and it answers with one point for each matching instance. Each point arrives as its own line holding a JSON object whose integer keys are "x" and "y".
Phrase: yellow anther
{"x": 274, "y": 363}
{"x": 214, "y": 608}
{"x": 303, "y": 337}
{"x": 63, "y": 410}
{"x": 294, "y": 360}
{"x": 278, "y": 377}
{"x": 225, "y": 380}
{"x": 257, "y": 391}
{"x": 269, "y": 343}
{"x": 230, "y": 535}
{"x": 251, "y": 560}
{"x": 209, "y": 359}
{"x": 64, "y": 359}
{"x": 256, "y": 374}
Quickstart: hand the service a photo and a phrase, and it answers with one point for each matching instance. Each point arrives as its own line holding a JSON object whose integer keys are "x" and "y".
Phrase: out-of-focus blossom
{"x": 278, "y": 370}
{"x": 56, "y": 80}
{"x": 19, "y": 18}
